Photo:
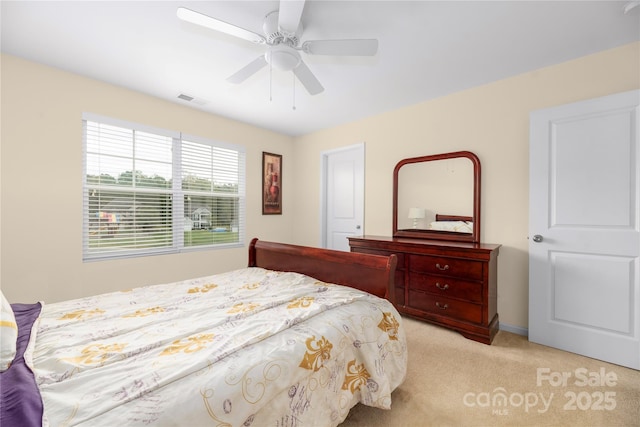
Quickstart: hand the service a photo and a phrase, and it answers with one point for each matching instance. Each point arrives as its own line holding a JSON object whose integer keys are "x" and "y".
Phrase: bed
{"x": 456, "y": 223}
{"x": 297, "y": 338}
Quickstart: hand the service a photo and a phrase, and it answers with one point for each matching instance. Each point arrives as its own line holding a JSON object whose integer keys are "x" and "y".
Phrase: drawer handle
{"x": 439, "y": 267}
{"x": 442, "y": 288}
{"x": 441, "y": 306}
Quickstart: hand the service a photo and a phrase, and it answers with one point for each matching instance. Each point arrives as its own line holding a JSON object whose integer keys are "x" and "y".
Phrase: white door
{"x": 584, "y": 270}
{"x": 343, "y": 201}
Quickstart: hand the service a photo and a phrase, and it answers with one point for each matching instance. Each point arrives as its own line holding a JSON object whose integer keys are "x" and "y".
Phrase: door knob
{"x": 357, "y": 227}
{"x": 537, "y": 238}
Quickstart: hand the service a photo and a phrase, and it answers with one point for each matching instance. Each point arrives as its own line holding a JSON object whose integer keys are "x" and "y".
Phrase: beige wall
{"x": 41, "y": 179}
{"x": 42, "y": 184}
{"x": 490, "y": 120}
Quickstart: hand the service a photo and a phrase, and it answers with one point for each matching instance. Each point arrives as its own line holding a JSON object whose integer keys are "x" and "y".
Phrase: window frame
{"x": 176, "y": 193}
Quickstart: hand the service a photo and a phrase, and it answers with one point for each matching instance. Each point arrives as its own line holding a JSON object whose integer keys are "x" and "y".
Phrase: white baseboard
{"x": 519, "y": 330}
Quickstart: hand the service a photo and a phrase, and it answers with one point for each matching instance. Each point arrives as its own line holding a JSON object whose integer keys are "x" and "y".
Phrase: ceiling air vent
{"x": 189, "y": 98}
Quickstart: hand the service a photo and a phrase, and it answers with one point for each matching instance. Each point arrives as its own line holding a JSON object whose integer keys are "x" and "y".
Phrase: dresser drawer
{"x": 446, "y": 286}
{"x": 443, "y": 306}
{"x": 466, "y": 269}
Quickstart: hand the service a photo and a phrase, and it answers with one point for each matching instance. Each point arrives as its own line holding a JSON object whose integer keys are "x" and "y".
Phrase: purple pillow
{"x": 21, "y": 404}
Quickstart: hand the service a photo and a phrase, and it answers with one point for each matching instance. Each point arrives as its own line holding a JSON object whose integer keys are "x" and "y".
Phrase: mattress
{"x": 247, "y": 347}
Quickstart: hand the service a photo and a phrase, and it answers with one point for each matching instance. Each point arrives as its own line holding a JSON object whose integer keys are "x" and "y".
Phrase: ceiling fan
{"x": 283, "y": 30}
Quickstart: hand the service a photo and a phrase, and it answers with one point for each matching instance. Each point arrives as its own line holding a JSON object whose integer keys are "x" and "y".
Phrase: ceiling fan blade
{"x": 248, "y": 70}
{"x": 289, "y": 16}
{"x": 198, "y": 18}
{"x": 355, "y": 47}
{"x": 308, "y": 80}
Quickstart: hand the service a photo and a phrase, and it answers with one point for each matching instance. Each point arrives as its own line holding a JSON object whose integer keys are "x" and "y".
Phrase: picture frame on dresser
{"x": 443, "y": 276}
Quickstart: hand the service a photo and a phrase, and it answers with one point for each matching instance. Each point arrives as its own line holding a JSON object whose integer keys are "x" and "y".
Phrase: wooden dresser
{"x": 451, "y": 284}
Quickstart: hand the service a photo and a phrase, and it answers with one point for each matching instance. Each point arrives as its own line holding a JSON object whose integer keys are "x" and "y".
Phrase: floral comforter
{"x": 248, "y": 347}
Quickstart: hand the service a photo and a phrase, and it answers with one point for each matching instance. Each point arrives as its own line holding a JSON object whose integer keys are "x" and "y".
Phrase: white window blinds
{"x": 150, "y": 191}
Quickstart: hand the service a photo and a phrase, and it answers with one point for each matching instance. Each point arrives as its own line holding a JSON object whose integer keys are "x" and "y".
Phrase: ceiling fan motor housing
{"x": 275, "y": 35}
{"x": 281, "y": 53}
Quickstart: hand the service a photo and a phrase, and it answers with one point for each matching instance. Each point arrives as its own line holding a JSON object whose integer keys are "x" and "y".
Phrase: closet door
{"x": 343, "y": 201}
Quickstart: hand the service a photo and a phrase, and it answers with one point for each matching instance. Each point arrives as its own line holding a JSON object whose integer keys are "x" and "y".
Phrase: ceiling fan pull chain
{"x": 270, "y": 84}
{"x": 294, "y": 91}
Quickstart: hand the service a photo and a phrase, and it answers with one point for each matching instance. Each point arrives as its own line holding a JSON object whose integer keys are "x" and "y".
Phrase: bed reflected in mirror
{"x": 438, "y": 197}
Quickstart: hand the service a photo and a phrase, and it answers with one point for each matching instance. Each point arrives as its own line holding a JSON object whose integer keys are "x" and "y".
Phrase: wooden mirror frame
{"x": 473, "y": 237}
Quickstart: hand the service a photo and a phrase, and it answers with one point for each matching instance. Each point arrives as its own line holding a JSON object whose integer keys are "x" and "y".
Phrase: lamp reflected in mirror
{"x": 416, "y": 214}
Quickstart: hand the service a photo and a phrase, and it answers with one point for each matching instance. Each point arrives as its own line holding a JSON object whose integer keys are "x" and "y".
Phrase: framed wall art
{"x": 271, "y": 184}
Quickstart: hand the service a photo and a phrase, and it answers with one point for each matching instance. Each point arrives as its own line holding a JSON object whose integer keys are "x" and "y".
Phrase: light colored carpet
{"x": 453, "y": 381}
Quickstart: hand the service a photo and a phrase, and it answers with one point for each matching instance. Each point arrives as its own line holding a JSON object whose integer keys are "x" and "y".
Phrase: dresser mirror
{"x": 438, "y": 197}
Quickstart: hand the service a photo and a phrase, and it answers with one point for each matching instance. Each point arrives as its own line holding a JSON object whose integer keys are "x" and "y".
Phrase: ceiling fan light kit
{"x": 282, "y": 57}
{"x": 283, "y": 31}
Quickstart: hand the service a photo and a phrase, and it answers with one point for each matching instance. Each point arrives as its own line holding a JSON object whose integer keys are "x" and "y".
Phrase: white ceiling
{"x": 427, "y": 49}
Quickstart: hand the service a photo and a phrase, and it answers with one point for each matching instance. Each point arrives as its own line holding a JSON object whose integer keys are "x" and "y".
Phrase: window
{"x": 149, "y": 191}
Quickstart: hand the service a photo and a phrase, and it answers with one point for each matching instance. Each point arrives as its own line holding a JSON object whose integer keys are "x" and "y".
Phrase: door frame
{"x": 324, "y": 162}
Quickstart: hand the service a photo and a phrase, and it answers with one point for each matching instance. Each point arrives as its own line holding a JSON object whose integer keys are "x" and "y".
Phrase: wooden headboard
{"x": 441, "y": 217}
{"x": 370, "y": 273}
